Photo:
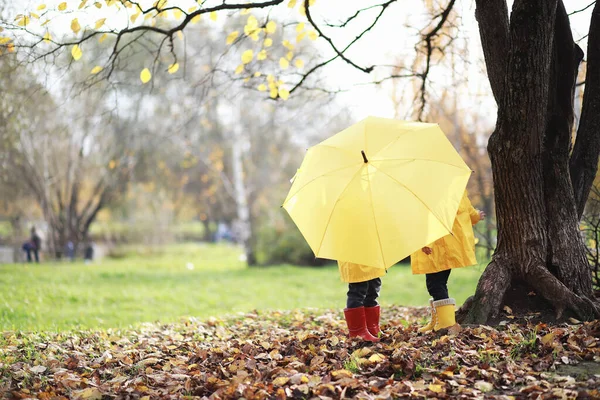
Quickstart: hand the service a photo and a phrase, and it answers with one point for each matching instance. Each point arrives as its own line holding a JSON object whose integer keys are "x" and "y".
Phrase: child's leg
{"x": 374, "y": 286}
{"x": 437, "y": 284}
{"x": 372, "y": 309}
{"x": 356, "y": 294}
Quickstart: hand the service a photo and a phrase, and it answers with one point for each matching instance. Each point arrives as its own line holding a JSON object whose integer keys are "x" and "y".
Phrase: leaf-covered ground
{"x": 304, "y": 354}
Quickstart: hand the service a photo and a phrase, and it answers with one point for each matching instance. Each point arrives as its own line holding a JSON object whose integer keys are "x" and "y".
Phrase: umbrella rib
{"x": 420, "y": 159}
{"x": 395, "y": 139}
{"x": 414, "y": 194}
{"x": 333, "y": 210}
{"x": 320, "y": 176}
{"x": 375, "y": 221}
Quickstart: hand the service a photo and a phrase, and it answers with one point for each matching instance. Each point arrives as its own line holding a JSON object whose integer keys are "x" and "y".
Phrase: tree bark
{"x": 584, "y": 161}
{"x": 539, "y": 246}
{"x": 566, "y": 250}
{"x": 492, "y": 16}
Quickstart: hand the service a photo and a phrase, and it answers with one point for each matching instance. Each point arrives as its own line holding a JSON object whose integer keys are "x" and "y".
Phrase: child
{"x": 436, "y": 261}
{"x": 362, "y": 310}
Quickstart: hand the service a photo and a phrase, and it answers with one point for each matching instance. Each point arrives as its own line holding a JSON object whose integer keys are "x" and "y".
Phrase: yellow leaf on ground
{"x": 196, "y": 19}
{"x": 41, "y": 7}
{"x": 300, "y": 37}
{"x": 257, "y": 74}
{"x": 292, "y": 4}
{"x": 47, "y": 37}
{"x": 289, "y": 55}
{"x": 271, "y": 27}
{"x": 283, "y": 63}
{"x": 90, "y": 393}
{"x": 261, "y": 55}
{"x": 98, "y": 4}
{"x": 62, "y": 6}
{"x": 341, "y": 373}
{"x": 281, "y": 380}
{"x": 376, "y": 357}
{"x": 300, "y": 27}
{"x": 232, "y": 36}
{"x": 96, "y": 69}
{"x": 313, "y": 35}
{"x": 435, "y": 388}
{"x": 239, "y": 69}
{"x": 262, "y": 87}
{"x": 299, "y": 63}
{"x": 34, "y": 15}
{"x": 173, "y": 68}
{"x": 177, "y": 13}
{"x": 273, "y": 93}
{"x": 245, "y": 11}
{"x": 284, "y": 93}
{"x": 102, "y": 38}
{"x": 247, "y": 56}
{"x": 548, "y": 338}
{"x": 76, "y": 52}
{"x": 100, "y": 23}
{"x": 145, "y": 75}
{"x": 213, "y": 15}
{"x": 268, "y": 42}
{"x": 75, "y": 27}
{"x": 4, "y": 40}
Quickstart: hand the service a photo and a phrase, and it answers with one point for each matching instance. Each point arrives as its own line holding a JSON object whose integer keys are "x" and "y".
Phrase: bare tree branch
{"x": 492, "y": 16}
{"x": 583, "y": 9}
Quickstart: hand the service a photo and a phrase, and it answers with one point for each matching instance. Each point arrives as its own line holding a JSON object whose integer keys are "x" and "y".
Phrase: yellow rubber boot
{"x": 445, "y": 314}
{"x": 429, "y": 327}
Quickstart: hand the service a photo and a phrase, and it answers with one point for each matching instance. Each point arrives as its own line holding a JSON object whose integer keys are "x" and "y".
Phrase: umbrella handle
{"x": 364, "y": 156}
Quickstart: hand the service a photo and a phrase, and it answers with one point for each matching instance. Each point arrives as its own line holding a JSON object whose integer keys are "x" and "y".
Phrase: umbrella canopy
{"x": 377, "y": 191}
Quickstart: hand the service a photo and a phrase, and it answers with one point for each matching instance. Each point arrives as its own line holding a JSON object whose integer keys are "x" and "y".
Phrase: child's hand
{"x": 427, "y": 250}
{"x": 481, "y": 215}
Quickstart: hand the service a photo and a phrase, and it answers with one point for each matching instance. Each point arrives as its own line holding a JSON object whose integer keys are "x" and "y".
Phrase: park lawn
{"x": 161, "y": 286}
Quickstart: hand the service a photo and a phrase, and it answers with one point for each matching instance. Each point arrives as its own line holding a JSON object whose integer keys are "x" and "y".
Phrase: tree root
{"x": 486, "y": 302}
{"x": 561, "y": 297}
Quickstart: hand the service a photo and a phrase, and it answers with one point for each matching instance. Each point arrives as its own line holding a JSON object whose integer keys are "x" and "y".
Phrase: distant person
{"x": 70, "y": 250}
{"x": 88, "y": 254}
{"x": 33, "y": 245}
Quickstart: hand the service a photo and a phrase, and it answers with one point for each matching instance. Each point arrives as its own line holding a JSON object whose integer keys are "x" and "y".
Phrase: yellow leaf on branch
{"x": 75, "y": 27}
{"x": 173, "y": 68}
{"x": 247, "y": 56}
{"x": 145, "y": 75}
{"x": 76, "y": 52}
{"x": 232, "y": 36}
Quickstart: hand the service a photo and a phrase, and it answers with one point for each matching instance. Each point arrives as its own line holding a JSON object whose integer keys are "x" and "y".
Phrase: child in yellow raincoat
{"x": 437, "y": 260}
{"x": 362, "y": 309}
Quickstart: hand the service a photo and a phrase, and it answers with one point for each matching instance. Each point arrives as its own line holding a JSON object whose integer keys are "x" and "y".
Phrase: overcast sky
{"x": 388, "y": 43}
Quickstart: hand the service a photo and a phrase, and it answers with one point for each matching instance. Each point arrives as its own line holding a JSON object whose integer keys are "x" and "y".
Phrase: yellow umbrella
{"x": 377, "y": 191}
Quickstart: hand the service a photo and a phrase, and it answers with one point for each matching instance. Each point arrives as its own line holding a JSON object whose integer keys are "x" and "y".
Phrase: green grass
{"x": 158, "y": 286}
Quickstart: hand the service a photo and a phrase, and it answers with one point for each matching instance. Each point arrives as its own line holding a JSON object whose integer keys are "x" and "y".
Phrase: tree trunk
{"x": 584, "y": 161}
{"x": 241, "y": 199}
{"x": 540, "y": 253}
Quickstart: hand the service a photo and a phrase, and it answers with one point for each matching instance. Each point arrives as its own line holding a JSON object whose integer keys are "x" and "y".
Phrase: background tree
{"x": 540, "y": 186}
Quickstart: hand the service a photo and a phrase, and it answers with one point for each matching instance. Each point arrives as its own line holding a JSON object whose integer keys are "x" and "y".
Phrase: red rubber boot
{"x": 357, "y": 324}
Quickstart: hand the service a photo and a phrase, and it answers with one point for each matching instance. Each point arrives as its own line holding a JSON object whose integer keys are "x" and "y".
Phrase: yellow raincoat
{"x": 451, "y": 251}
{"x": 352, "y": 273}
